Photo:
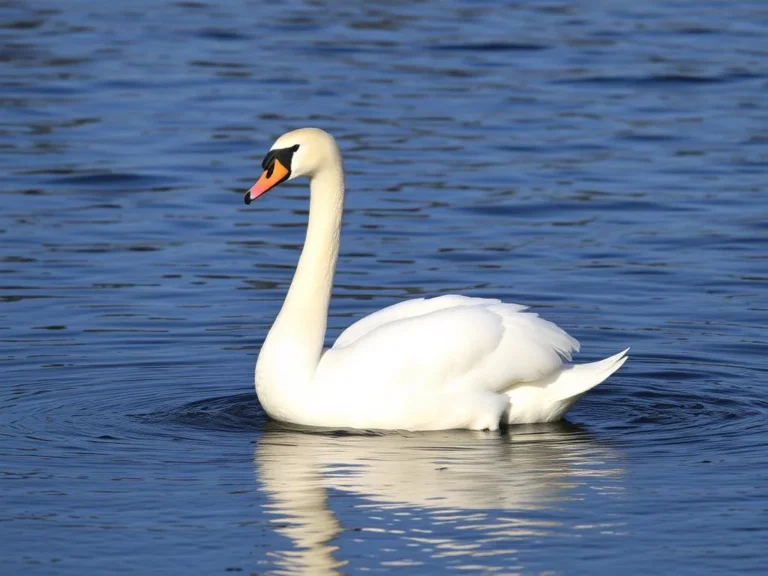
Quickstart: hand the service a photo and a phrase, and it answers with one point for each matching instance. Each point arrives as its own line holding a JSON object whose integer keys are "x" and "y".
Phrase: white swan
{"x": 423, "y": 364}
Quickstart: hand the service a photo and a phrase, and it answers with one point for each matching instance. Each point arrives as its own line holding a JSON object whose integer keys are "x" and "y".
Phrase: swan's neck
{"x": 292, "y": 350}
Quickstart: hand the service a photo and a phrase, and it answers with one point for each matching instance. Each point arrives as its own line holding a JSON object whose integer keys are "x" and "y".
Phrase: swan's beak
{"x": 271, "y": 177}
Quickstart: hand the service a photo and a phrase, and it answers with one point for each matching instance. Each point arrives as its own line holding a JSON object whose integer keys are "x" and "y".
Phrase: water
{"x": 602, "y": 161}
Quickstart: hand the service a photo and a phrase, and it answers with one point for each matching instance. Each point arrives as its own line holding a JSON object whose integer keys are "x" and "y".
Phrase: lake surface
{"x": 604, "y": 162}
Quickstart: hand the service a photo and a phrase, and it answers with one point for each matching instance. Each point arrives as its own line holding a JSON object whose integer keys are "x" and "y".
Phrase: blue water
{"x": 604, "y": 162}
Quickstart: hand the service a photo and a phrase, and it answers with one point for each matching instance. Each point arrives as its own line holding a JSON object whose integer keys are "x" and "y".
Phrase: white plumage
{"x": 423, "y": 364}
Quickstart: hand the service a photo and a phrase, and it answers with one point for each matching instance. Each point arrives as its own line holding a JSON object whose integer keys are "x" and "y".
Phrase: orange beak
{"x": 270, "y": 178}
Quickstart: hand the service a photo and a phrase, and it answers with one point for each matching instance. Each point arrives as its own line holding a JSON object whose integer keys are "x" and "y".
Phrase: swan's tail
{"x": 550, "y": 398}
{"x": 574, "y": 380}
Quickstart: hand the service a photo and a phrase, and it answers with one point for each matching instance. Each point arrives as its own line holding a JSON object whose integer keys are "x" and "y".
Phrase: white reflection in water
{"x": 403, "y": 485}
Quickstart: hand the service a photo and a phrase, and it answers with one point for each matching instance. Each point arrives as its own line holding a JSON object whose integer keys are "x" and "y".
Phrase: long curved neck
{"x": 293, "y": 346}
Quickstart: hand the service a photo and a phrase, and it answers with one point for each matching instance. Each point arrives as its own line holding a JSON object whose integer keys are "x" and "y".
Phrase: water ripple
{"x": 604, "y": 164}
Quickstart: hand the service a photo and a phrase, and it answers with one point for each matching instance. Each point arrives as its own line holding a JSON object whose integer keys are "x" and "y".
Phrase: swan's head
{"x": 302, "y": 152}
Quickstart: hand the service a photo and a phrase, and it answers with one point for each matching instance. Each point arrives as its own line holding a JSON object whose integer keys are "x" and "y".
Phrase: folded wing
{"x": 450, "y": 344}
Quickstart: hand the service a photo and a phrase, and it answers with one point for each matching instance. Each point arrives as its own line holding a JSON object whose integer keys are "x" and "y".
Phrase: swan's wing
{"x": 407, "y": 309}
{"x": 480, "y": 345}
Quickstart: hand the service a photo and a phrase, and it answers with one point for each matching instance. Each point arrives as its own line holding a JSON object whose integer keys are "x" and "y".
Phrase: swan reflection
{"x": 423, "y": 485}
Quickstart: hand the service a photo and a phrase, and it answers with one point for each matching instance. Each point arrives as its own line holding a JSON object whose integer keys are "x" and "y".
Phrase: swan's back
{"x": 446, "y": 339}
{"x": 407, "y": 309}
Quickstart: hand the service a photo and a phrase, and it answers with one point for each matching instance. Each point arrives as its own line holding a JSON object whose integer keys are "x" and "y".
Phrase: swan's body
{"x": 424, "y": 364}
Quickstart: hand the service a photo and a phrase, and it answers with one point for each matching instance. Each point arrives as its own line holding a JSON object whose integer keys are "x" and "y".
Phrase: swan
{"x": 423, "y": 364}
